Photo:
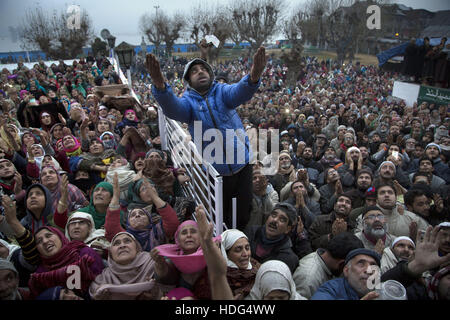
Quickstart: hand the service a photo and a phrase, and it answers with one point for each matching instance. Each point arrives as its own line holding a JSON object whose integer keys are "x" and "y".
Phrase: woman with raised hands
{"x": 182, "y": 264}
{"x": 52, "y": 253}
{"x": 150, "y": 229}
{"x": 69, "y": 195}
{"x": 129, "y": 275}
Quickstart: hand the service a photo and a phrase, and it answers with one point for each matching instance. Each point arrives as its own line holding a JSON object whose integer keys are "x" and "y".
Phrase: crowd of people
{"x": 362, "y": 180}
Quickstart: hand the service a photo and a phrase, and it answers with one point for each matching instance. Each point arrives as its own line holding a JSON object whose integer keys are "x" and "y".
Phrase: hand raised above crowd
{"x": 154, "y": 69}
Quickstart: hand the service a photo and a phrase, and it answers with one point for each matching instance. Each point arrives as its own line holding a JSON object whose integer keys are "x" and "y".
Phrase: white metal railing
{"x": 206, "y": 185}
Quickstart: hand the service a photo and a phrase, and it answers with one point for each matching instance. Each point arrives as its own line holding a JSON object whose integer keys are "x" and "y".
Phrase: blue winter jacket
{"x": 222, "y": 100}
{"x": 335, "y": 289}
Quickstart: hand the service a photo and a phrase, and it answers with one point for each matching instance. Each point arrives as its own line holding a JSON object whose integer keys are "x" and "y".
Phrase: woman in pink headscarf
{"x": 129, "y": 120}
{"x": 186, "y": 267}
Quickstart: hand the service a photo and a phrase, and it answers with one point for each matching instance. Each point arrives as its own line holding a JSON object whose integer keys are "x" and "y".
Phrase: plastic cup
{"x": 392, "y": 290}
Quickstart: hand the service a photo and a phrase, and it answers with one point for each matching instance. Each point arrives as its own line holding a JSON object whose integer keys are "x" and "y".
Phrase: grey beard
{"x": 375, "y": 233}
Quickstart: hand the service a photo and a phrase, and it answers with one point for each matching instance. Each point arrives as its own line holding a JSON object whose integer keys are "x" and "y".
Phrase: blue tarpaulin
{"x": 384, "y": 56}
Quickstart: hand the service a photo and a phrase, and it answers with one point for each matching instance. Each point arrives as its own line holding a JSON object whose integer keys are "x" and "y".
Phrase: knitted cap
{"x": 389, "y": 163}
{"x": 284, "y": 153}
{"x": 371, "y": 208}
{"x": 364, "y": 251}
{"x": 194, "y": 62}
{"x": 434, "y": 145}
{"x": 7, "y": 265}
{"x": 371, "y": 193}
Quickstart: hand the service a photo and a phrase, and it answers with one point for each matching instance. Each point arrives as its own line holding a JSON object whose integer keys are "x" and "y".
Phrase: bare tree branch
{"x": 51, "y": 35}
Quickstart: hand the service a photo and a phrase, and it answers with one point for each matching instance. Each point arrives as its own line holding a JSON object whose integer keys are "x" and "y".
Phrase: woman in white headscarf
{"x": 274, "y": 282}
{"x": 80, "y": 226}
{"x": 241, "y": 267}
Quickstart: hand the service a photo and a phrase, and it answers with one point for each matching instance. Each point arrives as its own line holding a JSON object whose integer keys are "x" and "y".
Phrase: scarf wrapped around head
{"x": 30, "y": 221}
{"x": 125, "y": 282}
{"x": 11, "y": 248}
{"x": 133, "y": 112}
{"x": 39, "y": 159}
{"x": 68, "y": 253}
{"x": 109, "y": 144}
{"x": 53, "y": 270}
{"x": 274, "y": 275}
{"x": 149, "y": 237}
{"x": 433, "y": 283}
{"x": 99, "y": 218}
{"x": 44, "y": 126}
{"x": 134, "y": 198}
{"x": 13, "y": 141}
{"x": 185, "y": 263}
{"x": 229, "y": 238}
{"x": 24, "y": 147}
{"x": 76, "y": 150}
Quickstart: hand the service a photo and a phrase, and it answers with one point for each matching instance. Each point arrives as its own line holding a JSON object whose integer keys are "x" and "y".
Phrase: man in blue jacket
{"x": 360, "y": 266}
{"x": 208, "y": 104}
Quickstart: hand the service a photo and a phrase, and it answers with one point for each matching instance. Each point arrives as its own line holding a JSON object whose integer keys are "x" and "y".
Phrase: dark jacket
{"x": 321, "y": 228}
{"x": 327, "y": 198}
{"x": 281, "y": 250}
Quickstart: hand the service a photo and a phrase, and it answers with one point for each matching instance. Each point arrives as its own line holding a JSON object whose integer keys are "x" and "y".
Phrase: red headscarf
{"x": 68, "y": 254}
{"x": 53, "y": 270}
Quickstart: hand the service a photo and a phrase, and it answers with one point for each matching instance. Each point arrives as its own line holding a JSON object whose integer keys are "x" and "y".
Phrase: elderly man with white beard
{"x": 400, "y": 222}
{"x": 374, "y": 235}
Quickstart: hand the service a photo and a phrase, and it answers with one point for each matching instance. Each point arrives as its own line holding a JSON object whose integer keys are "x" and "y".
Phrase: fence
{"x": 206, "y": 185}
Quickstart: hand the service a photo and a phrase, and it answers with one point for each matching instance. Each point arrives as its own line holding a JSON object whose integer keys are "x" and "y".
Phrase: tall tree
{"x": 215, "y": 21}
{"x": 151, "y": 26}
{"x": 293, "y": 31}
{"x": 256, "y": 21}
{"x": 50, "y": 33}
{"x": 171, "y": 28}
{"x": 99, "y": 47}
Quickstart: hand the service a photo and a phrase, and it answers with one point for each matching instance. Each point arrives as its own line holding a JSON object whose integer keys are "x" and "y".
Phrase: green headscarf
{"x": 134, "y": 199}
{"x": 99, "y": 218}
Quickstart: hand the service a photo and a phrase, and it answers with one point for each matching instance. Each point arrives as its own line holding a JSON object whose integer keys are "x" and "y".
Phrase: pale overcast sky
{"x": 122, "y": 17}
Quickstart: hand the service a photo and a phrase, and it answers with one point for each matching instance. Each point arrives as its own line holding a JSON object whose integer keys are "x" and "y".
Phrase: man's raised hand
{"x": 259, "y": 63}
{"x": 154, "y": 69}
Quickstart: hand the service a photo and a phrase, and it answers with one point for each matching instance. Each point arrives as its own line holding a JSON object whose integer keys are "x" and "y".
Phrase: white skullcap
{"x": 400, "y": 239}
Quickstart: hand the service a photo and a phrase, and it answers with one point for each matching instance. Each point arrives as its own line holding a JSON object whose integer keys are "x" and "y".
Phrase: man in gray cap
{"x": 9, "y": 282}
{"x": 208, "y": 104}
{"x": 361, "y": 265}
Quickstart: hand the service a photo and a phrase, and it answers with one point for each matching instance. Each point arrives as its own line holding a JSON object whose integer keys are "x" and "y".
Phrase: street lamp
{"x": 143, "y": 48}
{"x": 125, "y": 53}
